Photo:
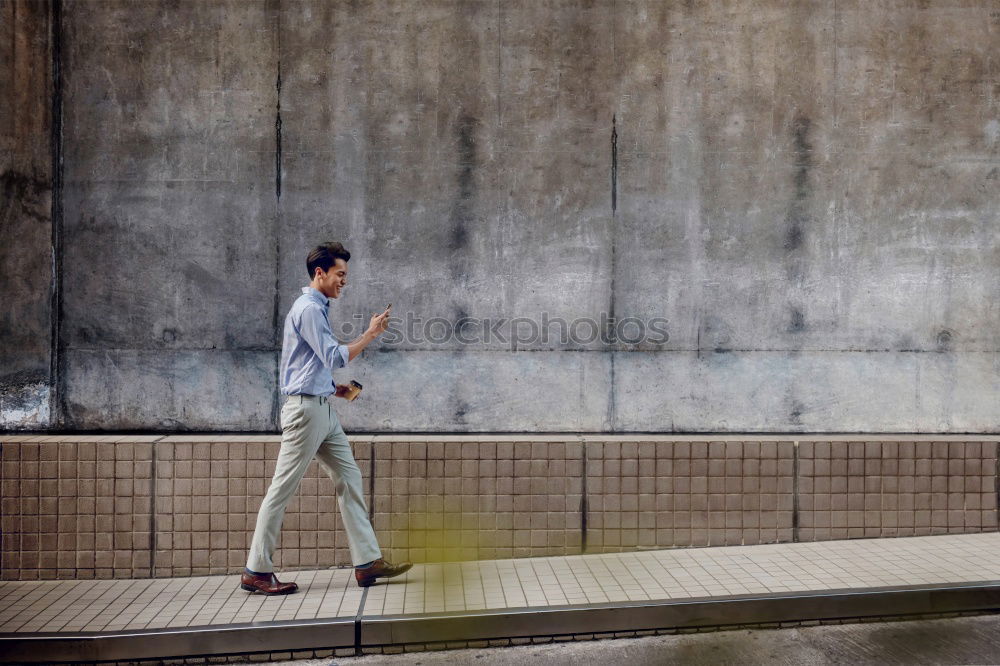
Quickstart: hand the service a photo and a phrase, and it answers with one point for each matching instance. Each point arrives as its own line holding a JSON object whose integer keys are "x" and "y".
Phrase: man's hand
{"x": 379, "y": 323}
{"x": 376, "y": 327}
{"x": 342, "y": 391}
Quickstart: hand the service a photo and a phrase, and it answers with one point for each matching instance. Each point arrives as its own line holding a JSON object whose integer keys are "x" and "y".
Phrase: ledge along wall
{"x": 806, "y": 192}
{"x": 181, "y": 505}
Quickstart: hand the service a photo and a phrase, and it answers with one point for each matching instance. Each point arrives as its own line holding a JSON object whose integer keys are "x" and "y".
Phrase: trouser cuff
{"x": 366, "y": 557}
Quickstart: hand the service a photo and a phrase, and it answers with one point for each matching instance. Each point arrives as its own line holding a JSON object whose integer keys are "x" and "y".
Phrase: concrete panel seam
{"x": 614, "y": 167}
{"x": 612, "y": 329}
{"x": 499, "y": 65}
{"x": 56, "y": 374}
{"x": 276, "y": 317}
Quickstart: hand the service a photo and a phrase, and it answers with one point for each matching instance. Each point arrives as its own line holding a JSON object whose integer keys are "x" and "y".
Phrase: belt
{"x": 304, "y": 397}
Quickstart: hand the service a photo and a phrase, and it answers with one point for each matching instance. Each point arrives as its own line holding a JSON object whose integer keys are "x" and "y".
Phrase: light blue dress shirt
{"x": 309, "y": 352}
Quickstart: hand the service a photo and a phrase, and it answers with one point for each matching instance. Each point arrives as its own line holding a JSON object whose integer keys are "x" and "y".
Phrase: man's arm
{"x": 315, "y": 330}
{"x": 358, "y": 344}
{"x": 376, "y": 327}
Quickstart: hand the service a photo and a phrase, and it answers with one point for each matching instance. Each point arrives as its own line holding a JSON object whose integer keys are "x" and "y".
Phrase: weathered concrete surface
{"x": 807, "y": 192}
{"x": 762, "y": 204}
{"x": 469, "y": 182}
{"x": 26, "y": 276}
{"x": 169, "y": 215}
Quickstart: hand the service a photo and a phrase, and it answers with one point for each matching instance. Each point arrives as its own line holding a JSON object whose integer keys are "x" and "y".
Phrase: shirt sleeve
{"x": 315, "y": 330}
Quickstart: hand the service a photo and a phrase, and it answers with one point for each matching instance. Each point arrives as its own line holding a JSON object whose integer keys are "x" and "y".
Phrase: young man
{"x": 309, "y": 427}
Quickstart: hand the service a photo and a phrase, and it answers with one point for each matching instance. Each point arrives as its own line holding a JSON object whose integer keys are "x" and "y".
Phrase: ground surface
{"x": 519, "y": 584}
{"x": 962, "y": 640}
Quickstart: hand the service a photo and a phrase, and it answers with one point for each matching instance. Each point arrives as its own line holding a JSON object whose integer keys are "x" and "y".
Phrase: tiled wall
{"x": 676, "y": 493}
{"x": 896, "y": 488}
{"x": 97, "y": 507}
{"x": 459, "y": 500}
{"x": 76, "y": 508}
{"x": 207, "y": 496}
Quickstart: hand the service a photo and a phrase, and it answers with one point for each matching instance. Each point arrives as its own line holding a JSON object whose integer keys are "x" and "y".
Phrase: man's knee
{"x": 352, "y": 476}
{"x": 348, "y": 479}
{"x": 280, "y": 491}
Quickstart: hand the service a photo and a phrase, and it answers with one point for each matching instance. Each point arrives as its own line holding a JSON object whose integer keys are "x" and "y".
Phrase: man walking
{"x": 309, "y": 427}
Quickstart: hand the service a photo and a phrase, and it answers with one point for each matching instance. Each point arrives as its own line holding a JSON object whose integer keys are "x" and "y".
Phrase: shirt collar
{"x": 316, "y": 295}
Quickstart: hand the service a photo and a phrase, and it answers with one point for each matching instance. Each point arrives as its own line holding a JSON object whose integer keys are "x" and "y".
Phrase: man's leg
{"x": 337, "y": 460}
{"x": 304, "y": 423}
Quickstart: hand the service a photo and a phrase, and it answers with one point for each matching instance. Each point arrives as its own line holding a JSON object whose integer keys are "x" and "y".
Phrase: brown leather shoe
{"x": 379, "y": 569}
{"x": 266, "y": 583}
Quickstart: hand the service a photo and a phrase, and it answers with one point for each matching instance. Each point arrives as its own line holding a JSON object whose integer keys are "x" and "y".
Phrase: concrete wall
{"x": 807, "y": 192}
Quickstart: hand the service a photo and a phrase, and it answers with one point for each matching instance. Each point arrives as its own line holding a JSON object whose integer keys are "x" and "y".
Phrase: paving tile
{"x": 109, "y": 605}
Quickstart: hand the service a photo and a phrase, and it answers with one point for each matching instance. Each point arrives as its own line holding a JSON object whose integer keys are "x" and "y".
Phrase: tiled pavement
{"x": 689, "y": 573}
{"x": 114, "y": 605}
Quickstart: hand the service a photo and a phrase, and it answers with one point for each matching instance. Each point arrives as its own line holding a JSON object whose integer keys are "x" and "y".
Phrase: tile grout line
{"x": 151, "y": 603}
{"x": 996, "y": 480}
{"x": 584, "y": 504}
{"x": 57, "y": 607}
{"x": 371, "y": 483}
{"x": 179, "y": 602}
{"x": 152, "y": 506}
{"x": 71, "y": 613}
{"x": 17, "y": 584}
{"x": 120, "y": 593}
{"x": 40, "y": 597}
{"x": 795, "y": 491}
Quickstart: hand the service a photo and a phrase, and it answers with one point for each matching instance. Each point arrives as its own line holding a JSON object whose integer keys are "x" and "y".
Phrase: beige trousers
{"x": 310, "y": 428}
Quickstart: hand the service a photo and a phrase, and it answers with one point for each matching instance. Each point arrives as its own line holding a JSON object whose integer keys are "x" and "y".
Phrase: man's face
{"x": 333, "y": 281}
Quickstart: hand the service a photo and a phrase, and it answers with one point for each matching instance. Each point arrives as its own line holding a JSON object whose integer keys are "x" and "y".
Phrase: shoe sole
{"x": 372, "y": 581}
{"x": 251, "y": 588}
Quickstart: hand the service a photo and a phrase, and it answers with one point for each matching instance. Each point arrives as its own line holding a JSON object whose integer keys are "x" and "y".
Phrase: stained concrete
{"x": 169, "y": 261}
{"x": 808, "y": 193}
{"x": 26, "y": 180}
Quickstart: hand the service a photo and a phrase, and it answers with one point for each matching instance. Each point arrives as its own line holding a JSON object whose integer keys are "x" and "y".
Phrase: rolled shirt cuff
{"x": 345, "y": 355}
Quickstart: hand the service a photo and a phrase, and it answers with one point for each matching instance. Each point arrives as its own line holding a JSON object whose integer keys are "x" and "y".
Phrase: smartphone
{"x": 353, "y": 391}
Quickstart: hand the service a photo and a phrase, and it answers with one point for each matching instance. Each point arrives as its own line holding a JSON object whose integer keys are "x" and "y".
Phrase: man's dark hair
{"x": 325, "y": 255}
